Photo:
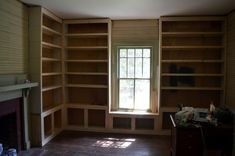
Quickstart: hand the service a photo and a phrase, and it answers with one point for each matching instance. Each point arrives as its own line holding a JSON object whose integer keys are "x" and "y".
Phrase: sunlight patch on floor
{"x": 114, "y": 142}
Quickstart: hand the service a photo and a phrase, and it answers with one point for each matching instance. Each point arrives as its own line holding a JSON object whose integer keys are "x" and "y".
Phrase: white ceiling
{"x": 133, "y": 9}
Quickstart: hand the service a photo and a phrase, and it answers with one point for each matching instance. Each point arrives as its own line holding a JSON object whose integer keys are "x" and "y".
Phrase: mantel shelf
{"x": 13, "y": 87}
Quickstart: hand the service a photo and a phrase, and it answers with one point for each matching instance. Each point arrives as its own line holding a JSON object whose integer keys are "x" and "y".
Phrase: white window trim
{"x": 115, "y": 87}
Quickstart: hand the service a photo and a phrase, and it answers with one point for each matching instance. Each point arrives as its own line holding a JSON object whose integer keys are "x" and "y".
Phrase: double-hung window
{"x": 134, "y": 78}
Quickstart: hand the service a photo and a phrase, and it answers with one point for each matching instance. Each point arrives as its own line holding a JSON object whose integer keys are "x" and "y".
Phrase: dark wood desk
{"x": 192, "y": 140}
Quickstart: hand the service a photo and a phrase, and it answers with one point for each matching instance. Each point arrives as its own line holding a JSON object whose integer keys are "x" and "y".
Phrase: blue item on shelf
{"x": 11, "y": 152}
{"x": 1, "y": 149}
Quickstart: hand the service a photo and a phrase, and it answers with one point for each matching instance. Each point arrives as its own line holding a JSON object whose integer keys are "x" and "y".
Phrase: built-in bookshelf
{"x": 192, "y": 60}
{"x": 46, "y": 68}
{"x": 87, "y": 45}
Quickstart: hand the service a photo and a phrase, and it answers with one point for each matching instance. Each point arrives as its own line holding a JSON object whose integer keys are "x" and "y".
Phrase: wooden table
{"x": 198, "y": 139}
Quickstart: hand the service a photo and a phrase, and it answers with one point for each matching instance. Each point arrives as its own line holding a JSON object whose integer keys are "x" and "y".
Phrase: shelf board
{"x": 51, "y": 88}
{"x": 192, "y": 47}
{"x": 50, "y": 45}
{"x": 86, "y": 86}
{"x": 85, "y": 73}
{"x": 51, "y": 74}
{"x": 188, "y": 34}
{"x": 86, "y": 48}
{"x": 50, "y": 31}
{"x": 90, "y": 61}
{"x": 86, "y": 35}
{"x": 51, "y": 109}
{"x": 50, "y": 59}
{"x": 192, "y": 61}
{"x": 188, "y": 74}
{"x": 86, "y": 106}
{"x": 191, "y": 88}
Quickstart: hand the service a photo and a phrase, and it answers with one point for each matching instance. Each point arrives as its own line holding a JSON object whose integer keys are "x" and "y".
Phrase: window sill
{"x": 132, "y": 113}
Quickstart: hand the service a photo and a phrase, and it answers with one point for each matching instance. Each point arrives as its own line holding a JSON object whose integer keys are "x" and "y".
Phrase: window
{"x": 134, "y": 78}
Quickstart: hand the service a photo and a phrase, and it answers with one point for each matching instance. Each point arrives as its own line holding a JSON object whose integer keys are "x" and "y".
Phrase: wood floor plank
{"x": 70, "y": 143}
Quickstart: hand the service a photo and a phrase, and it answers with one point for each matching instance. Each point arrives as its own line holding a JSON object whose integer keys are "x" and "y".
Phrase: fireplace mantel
{"x": 14, "y": 90}
{"x": 12, "y": 87}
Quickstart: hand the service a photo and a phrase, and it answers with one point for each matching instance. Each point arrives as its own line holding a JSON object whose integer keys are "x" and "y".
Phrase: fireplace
{"x": 14, "y": 128}
{"x": 11, "y": 123}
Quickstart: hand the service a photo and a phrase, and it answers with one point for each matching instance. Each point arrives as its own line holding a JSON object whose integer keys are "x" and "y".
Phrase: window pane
{"x": 131, "y": 67}
{"x": 146, "y": 53}
{"x": 123, "y": 68}
{"x": 131, "y": 52}
{"x": 126, "y": 94}
{"x": 134, "y": 78}
{"x": 138, "y": 67}
{"x": 142, "y": 94}
{"x": 123, "y": 53}
{"x": 138, "y": 53}
{"x": 146, "y": 67}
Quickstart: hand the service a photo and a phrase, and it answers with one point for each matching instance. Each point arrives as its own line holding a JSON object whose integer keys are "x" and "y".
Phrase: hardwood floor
{"x": 101, "y": 144}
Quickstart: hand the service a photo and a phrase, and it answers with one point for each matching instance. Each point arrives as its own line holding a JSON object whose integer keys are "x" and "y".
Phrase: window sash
{"x": 135, "y": 78}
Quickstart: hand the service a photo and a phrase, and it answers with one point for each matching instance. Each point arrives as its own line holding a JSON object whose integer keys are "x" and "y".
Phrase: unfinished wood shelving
{"x": 87, "y": 45}
{"x": 46, "y": 68}
{"x": 192, "y": 60}
{"x": 71, "y": 60}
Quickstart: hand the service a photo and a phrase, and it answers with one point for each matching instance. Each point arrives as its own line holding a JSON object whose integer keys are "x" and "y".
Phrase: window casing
{"x": 134, "y": 78}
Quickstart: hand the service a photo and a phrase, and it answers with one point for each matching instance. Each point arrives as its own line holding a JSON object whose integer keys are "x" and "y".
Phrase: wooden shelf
{"x": 90, "y": 61}
{"x": 86, "y": 106}
{"x": 50, "y": 59}
{"x": 189, "y": 34}
{"x": 85, "y": 35}
{"x": 50, "y": 31}
{"x": 48, "y": 98}
{"x": 86, "y": 73}
{"x": 192, "y": 61}
{"x": 50, "y": 88}
{"x": 191, "y": 88}
{"x": 192, "y": 47}
{"x": 183, "y": 74}
{"x": 51, "y": 74}
{"x": 51, "y": 109}
{"x": 87, "y": 45}
{"x": 86, "y": 86}
{"x": 86, "y": 48}
{"x": 50, "y": 45}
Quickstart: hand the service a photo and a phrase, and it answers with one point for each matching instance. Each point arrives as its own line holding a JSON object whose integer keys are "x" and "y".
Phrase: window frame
{"x": 117, "y": 79}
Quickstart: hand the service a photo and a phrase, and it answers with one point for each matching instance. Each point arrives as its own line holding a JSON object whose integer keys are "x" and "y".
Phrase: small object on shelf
{"x": 1, "y": 149}
{"x": 11, "y": 152}
{"x": 211, "y": 112}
